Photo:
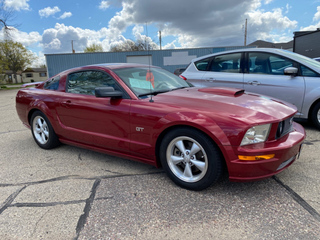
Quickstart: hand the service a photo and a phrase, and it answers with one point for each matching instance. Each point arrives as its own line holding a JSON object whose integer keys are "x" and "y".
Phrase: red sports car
{"x": 150, "y": 115}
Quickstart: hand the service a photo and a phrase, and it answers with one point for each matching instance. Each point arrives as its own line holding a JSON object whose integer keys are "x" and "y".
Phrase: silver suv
{"x": 277, "y": 73}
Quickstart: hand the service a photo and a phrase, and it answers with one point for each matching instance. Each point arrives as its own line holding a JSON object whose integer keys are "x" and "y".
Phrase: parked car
{"x": 148, "y": 114}
{"x": 274, "y": 72}
{"x": 178, "y": 71}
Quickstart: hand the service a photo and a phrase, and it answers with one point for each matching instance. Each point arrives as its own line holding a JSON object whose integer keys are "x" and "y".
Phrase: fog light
{"x": 254, "y": 158}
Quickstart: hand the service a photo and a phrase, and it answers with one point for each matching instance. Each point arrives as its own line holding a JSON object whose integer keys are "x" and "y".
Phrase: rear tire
{"x": 190, "y": 159}
{"x": 315, "y": 115}
{"x": 43, "y": 132}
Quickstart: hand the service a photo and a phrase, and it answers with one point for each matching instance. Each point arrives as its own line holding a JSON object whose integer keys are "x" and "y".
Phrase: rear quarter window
{"x": 202, "y": 64}
{"x": 52, "y": 84}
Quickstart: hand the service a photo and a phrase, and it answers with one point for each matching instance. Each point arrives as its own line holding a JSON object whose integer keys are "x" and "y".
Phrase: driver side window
{"x": 265, "y": 63}
{"x": 85, "y": 82}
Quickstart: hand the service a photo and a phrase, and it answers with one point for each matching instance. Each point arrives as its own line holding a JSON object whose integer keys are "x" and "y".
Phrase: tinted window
{"x": 85, "y": 82}
{"x": 52, "y": 84}
{"x": 265, "y": 63}
{"x": 307, "y": 72}
{"x": 226, "y": 63}
{"x": 202, "y": 64}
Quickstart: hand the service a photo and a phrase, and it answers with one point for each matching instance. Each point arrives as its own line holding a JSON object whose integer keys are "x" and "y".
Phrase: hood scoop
{"x": 235, "y": 92}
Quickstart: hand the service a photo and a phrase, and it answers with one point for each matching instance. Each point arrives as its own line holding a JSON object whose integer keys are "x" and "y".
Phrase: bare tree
{"x": 6, "y": 15}
{"x": 94, "y": 48}
{"x": 129, "y": 45}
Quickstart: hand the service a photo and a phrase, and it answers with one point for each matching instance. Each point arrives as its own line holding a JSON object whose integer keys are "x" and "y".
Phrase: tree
{"x": 129, "y": 45}
{"x": 5, "y": 16}
{"x": 15, "y": 57}
{"x": 94, "y": 48}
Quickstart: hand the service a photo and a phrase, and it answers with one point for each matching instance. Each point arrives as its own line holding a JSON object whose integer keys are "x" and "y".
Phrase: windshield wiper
{"x": 178, "y": 88}
{"x": 154, "y": 93}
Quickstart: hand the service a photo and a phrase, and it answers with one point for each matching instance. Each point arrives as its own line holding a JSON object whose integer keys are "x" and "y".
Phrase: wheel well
{"x": 161, "y": 136}
{"x": 30, "y": 114}
{"x": 311, "y": 108}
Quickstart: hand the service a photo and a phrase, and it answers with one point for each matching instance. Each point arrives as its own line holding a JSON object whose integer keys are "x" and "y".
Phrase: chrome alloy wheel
{"x": 40, "y": 130}
{"x": 187, "y": 159}
{"x": 318, "y": 115}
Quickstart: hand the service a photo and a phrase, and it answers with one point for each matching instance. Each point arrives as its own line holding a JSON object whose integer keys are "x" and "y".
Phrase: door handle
{"x": 254, "y": 83}
{"x": 66, "y": 103}
{"x": 209, "y": 79}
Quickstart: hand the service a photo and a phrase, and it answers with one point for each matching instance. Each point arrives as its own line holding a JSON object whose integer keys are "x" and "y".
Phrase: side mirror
{"x": 104, "y": 92}
{"x": 291, "y": 71}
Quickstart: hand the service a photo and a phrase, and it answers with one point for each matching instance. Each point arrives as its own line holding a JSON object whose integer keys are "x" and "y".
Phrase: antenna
{"x": 149, "y": 70}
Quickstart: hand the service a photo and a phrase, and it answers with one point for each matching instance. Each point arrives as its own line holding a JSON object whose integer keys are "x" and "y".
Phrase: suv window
{"x": 265, "y": 63}
{"x": 202, "y": 64}
{"x": 226, "y": 63}
{"x": 307, "y": 72}
{"x": 85, "y": 82}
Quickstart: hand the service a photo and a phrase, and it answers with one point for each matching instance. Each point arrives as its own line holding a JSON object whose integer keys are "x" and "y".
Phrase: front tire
{"x": 43, "y": 132}
{"x": 315, "y": 115}
{"x": 190, "y": 159}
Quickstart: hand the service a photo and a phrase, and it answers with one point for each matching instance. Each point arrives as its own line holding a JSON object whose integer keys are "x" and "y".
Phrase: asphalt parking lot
{"x": 72, "y": 193}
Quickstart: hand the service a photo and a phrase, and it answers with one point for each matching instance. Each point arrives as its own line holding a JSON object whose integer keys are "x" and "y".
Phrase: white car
{"x": 273, "y": 72}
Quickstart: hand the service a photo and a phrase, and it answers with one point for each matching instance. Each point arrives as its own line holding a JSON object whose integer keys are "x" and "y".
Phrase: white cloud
{"x": 104, "y": 5}
{"x": 16, "y": 4}
{"x": 268, "y": 1}
{"x": 58, "y": 39}
{"x": 317, "y": 15}
{"x": 27, "y": 39}
{"x": 65, "y": 15}
{"x": 48, "y": 11}
{"x": 288, "y": 7}
{"x": 219, "y": 24}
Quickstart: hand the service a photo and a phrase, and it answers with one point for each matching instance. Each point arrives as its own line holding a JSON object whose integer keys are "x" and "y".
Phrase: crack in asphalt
{"x": 77, "y": 177}
{"x": 87, "y": 208}
{"x": 89, "y": 201}
{"x": 310, "y": 142}
{"x": 13, "y": 131}
{"x": 10, "y": 199}
{"x": 50, "y": 204}
{"x": 36, "y": 226}
{"x": 299, "y": 199}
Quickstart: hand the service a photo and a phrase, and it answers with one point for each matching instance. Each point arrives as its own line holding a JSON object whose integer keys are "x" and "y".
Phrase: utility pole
{"x": 73, "y": 51}
{"x": 245, "y": 34}
{"x": 160, "y": 40}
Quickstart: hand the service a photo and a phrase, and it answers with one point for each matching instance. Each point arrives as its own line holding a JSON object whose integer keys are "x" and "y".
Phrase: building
{"x": 264, "y": 44}
{"x": 167, "y": 59}
{"x": 34, "y": 75}
{"x": 307, "y": 43}
{"x": 8, "y": 77}
{"x": 27, "y": 76}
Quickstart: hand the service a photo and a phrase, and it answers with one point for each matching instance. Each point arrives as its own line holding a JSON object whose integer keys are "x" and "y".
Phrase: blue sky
{"x": 50, "y": 26}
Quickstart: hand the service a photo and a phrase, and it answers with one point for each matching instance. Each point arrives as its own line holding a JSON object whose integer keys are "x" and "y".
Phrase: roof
{"x": 265, "y": 44}
{"x": 35, "y": 70}
{"x": 303, "y": 33}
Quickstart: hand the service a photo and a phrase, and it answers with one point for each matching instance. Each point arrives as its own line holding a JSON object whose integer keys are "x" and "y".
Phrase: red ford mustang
{"x": 150, "y": 115}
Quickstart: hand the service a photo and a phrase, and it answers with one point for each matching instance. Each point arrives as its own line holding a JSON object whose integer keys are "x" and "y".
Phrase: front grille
{"x": 284, "y": 127}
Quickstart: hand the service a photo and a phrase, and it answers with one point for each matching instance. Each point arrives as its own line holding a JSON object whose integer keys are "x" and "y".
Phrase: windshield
{"x": 146, "y": 81}
{"x": 303, "y": 59}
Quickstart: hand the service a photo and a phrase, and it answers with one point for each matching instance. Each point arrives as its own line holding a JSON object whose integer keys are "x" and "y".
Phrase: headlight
{"x": 256, "y": 134}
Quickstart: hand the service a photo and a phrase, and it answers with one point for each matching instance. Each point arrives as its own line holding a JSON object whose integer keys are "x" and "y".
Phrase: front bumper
{"x": 286, "y": 149}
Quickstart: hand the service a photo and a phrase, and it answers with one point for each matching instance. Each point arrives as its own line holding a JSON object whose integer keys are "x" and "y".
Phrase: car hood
{"x": 228, "y": 102}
